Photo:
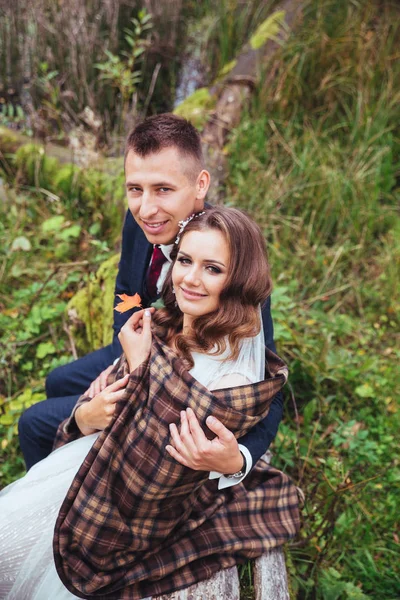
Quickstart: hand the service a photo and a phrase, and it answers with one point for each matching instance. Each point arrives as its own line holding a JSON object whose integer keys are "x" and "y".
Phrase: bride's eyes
{"x": 214, "y": 269}
{"x": 183, "y": 260}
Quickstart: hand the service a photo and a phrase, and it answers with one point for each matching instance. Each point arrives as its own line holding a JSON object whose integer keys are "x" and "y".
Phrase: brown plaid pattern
{"x": 136, "y": 523}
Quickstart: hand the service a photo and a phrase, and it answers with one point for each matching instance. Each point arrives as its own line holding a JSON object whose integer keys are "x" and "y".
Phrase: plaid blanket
{"x": 136, "y": 523}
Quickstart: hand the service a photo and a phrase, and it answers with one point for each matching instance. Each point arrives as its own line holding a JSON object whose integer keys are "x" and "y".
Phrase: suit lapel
{"x": 142, "y": 251}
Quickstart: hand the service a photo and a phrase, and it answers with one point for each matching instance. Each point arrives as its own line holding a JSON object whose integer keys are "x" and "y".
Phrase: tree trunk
{"x": 234, "y": 92}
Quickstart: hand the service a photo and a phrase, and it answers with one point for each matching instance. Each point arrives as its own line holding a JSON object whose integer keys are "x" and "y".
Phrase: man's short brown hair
{"x": 166, "y": 131}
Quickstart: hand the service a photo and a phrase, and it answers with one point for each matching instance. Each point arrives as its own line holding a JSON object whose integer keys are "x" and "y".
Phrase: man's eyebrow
{"x": 158, "y": 184}
{"x": 206, "y": 260}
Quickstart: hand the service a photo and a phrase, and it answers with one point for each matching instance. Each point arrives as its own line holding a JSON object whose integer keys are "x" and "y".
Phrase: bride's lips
{"x": 192, "y": 295}
{"x": 154, "y": 227}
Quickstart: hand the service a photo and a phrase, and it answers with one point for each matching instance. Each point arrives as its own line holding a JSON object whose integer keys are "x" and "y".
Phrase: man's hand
{"x": 191, "y": 448}
{"x": 96, "y": 414}
{"x": 99, "y": 383}
{"x": 135, "y": 337}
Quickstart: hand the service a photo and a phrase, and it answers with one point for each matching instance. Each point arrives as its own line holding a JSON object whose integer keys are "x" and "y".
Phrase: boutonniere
{"x": 128, "y": 302}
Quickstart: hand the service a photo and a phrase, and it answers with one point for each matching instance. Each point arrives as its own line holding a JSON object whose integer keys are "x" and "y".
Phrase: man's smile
{"x": 154, "y": 226}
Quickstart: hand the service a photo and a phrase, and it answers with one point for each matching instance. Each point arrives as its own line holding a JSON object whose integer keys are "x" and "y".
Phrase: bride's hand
{"x": 191, "y": 448}
{"x": 135, "y": 337}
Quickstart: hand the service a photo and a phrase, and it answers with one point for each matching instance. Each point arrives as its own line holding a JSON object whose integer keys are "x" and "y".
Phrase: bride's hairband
{"x": 182, "y": 224}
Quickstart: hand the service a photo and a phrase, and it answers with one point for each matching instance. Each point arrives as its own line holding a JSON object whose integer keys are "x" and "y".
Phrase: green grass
{"x": 219, "y": 30}
{"x": 316, "y": 161}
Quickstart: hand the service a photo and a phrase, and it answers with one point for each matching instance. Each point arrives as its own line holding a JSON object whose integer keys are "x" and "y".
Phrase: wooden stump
{"x": 270, "y": 577}
{"x": 224, "y": 585}
{"x": 270, "y": 582}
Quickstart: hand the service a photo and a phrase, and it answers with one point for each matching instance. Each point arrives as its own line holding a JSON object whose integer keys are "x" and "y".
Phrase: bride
{"x": 144, "y": 506}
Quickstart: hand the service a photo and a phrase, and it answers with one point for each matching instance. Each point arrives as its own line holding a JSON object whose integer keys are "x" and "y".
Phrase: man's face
{"x": 161, "y": 192}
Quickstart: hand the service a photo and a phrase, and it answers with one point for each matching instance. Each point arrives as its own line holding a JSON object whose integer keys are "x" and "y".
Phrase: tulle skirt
{"x": 28, "y": 512}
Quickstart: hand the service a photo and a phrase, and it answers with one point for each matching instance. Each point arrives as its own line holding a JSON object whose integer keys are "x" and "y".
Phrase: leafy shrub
{"x": 45, "y": 257}
{"x": 35, "y": 168}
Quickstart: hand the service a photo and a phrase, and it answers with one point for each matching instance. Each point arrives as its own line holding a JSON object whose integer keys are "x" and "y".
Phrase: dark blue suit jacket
{"x": 136, "y": 252}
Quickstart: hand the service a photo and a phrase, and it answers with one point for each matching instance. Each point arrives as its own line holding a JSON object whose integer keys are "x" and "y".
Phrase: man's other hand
{"x": 96, "y": 414}
{"x": 99, "y": 383}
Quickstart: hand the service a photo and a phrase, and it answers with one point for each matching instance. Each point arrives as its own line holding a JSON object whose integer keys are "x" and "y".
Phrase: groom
{"x": 165, "y": 183}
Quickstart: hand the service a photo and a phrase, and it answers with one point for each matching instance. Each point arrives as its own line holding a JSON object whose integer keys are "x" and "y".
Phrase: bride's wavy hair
{"x": 248, "y": 285}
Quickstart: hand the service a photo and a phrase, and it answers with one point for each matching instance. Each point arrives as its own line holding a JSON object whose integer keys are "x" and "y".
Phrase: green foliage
{"x": 8, "y": 142}
{"x": 51, "y": 95}
{"x": 225, "y": 27}
{"x": 267, "y": 30}
{"x": 47, "y": 251}
{"x": 196, "y": 107}
{"x": 66, "y": 180}
{"x": 316, "y": 161}
{"x": 226, "y": 69}
{"x": 91, "y": 309}
{"x": 333, "y": 588}
{"x": 35, "y": 168}
{"x": 101, "y": 199}
{"x": 123, "y": 72}
{"x": 52, "y": 238}
{"x": 11, "y": 116}
{"x": 96, "y": 196}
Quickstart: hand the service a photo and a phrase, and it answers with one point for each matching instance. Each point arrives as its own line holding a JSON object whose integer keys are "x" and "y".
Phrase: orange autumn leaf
{"x": 128, "y": 302}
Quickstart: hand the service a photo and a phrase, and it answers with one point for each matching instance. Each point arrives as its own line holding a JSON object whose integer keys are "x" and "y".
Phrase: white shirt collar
{"x": 166, "y": 249}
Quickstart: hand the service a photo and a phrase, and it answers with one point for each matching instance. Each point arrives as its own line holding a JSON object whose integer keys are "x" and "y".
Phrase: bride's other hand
{"x": 98, "y": 413}
{"x": 135, "y": 337}
{"x": 191, "y": 448}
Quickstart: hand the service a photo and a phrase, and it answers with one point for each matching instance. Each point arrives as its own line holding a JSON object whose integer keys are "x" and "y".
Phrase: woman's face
{"x": 200, "y": 273}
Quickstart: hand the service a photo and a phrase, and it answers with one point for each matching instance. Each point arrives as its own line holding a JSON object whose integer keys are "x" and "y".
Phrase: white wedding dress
{"x": 29, "y": 506}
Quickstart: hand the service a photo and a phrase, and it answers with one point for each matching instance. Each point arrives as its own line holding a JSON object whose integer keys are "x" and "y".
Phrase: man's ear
{"x": 202, "y": 184}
